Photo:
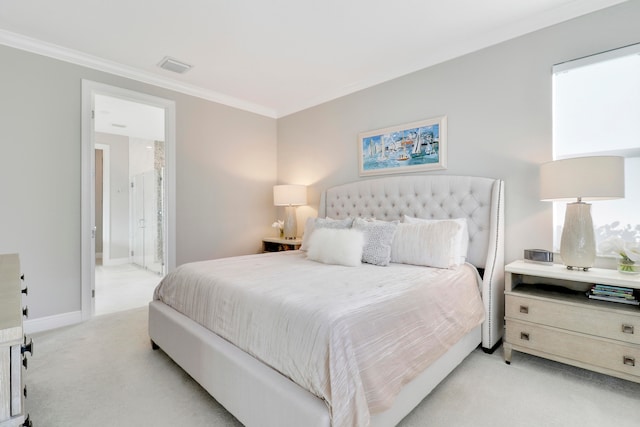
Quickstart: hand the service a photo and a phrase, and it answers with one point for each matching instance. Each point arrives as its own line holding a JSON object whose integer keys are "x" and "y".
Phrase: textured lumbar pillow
{"x": 378, "y": 236}
{"x": 336, "y": 246}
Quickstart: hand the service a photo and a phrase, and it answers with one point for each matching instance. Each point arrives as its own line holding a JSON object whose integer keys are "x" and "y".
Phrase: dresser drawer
{"x": 601, "y": 319}
{"x": 581, "y": 348}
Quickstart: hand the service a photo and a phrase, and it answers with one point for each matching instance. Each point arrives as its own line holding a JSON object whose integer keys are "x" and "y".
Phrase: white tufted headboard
{"x": 479, "y": 200}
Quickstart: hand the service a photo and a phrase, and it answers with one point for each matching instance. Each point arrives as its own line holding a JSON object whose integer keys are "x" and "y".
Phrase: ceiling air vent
{"x": 174, "y": 65}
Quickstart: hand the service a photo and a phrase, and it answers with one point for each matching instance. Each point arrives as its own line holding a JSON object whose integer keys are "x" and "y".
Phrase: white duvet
{"x": 351, "y": 335}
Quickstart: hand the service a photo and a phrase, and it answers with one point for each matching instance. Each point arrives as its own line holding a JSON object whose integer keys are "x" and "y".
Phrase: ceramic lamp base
{"x": 578, "y": 244}
{"x": 290, "y": 223}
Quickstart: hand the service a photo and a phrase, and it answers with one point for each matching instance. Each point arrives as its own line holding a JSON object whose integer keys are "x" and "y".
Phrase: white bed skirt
{"x": 257, "y": 395}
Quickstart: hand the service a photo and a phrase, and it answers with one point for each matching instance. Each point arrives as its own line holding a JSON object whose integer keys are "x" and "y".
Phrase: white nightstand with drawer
{"x": 548, "y": 314}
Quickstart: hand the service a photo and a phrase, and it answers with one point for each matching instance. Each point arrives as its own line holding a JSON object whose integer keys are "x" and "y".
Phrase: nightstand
{"x": 277, "y": 244}
{"x": 548, "y": 314}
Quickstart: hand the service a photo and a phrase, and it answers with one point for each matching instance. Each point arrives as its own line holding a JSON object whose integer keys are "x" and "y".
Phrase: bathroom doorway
{"x": 130, "y": 246}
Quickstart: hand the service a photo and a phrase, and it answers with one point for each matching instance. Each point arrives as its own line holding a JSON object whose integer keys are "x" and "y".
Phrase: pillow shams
{"x": 378, "y": 236}
{"x": 427, "y": 244}
{"x": 336, "y": 246}
{"x": 313, "y": 223}
{"x": 462, "y": 238}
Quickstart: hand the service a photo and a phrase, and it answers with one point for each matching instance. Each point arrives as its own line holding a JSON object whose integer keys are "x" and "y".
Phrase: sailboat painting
{"x": 412, "y": 147}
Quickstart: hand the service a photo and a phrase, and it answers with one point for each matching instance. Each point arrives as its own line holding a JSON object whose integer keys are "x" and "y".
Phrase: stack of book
{"x": 614, "y": 294}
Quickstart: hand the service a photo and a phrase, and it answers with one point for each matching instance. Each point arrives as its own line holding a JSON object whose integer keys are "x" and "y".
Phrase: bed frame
{"x": 259, "y": 396}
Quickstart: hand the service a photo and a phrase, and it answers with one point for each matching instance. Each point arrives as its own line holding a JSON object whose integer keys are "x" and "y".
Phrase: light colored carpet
{"x": 104, "y": 373}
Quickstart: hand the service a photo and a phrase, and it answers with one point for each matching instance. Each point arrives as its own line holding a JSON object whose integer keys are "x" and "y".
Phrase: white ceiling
{"x": 273, "y": 57}
{"x": 122, "y": 117}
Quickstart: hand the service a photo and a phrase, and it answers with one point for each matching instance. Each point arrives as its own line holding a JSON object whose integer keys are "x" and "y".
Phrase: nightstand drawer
{"x": 600, "y": 319}
{"x": 585, "y": 349}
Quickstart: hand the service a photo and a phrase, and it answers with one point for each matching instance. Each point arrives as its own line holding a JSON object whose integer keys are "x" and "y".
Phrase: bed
{"x": 259, "y": 389}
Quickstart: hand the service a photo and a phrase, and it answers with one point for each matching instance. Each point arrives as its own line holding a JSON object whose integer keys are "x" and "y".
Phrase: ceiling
{"x": 272, "y": 57}
{"x": 127, "y": 118}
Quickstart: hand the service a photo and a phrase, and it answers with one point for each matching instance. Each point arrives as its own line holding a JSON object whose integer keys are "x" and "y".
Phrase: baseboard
{"x": 52, "y": 322}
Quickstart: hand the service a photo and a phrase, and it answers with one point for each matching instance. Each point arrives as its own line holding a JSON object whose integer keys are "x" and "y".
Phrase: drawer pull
{"x": 524, "y": 309}
{"x": 627, "y": 329}
{"x": 524, "y": 336}
{"x": 629, "y": 361}
{"x": 27, "y": 346}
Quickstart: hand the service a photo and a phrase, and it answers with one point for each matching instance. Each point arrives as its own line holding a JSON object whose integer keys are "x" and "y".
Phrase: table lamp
{"x": 290, "y": 196}
{"x": 582, "y": 179}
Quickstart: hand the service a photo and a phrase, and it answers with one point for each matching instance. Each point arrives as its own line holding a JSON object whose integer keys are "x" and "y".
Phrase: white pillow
{"x": 378, "y": 236}
{"x": 313, "y": 223}
{"x": 462, "y": 238}
{"x": 433, "y": 244}
{"x": 336, "y": 246}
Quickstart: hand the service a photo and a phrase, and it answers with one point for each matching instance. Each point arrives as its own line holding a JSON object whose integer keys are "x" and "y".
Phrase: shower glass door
{"x": 146, "y": 220}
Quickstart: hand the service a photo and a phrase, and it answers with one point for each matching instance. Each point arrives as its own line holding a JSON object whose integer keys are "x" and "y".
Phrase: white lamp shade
{"x": 289, "y": 195}
{"x": 585, "y": 178}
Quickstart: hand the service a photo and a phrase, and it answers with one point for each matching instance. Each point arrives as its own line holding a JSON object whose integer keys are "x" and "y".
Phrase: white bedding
{"x": 351, "y": 335}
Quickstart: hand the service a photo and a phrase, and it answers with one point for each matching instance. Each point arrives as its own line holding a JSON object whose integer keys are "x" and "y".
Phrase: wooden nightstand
{"x": 277, "y": 244}
{"x": 548, "y": 314}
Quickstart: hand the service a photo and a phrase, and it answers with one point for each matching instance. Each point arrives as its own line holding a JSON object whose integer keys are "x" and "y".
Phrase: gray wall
{"x": 498, "y": 104}
{"x": 225, "y": 169}
{"x": 98, "y": 193}
{"x": 119, "y": 193}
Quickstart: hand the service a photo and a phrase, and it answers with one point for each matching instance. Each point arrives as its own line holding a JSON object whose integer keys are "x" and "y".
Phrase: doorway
{"x": 129, "y": 204}
{"x": 132, "y": 135}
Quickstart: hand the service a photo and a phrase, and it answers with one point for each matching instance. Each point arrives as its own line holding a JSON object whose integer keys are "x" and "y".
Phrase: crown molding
{"x": 51, "y": 50}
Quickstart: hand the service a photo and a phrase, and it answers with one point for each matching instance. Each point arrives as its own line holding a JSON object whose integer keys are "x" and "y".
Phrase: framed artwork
{"x": 412, "y": 147}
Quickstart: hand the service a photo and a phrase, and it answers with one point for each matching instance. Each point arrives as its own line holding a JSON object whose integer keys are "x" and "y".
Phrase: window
{"x": 596, "y": 111}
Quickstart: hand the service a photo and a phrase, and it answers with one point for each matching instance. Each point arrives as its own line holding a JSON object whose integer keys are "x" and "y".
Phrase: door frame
{"x": 87, "y": 199}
